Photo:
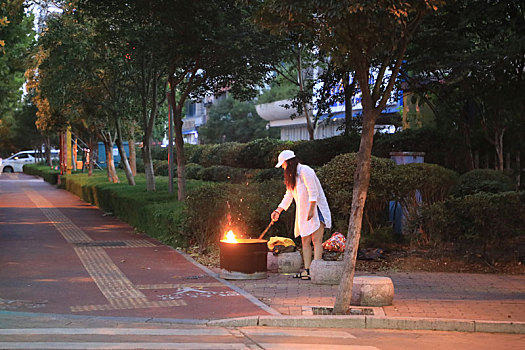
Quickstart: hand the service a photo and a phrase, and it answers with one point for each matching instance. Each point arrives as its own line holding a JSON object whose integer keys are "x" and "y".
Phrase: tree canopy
{"x": 16, "y": 37}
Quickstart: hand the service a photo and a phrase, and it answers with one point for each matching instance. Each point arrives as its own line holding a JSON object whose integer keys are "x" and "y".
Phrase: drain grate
{"x": 100, "y": 244}
{"x": 351, "y": 311}
{"x": 196, "y": 277}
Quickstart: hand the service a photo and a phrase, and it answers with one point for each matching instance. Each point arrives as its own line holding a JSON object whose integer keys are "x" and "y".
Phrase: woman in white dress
{"x": 312, "y": 213}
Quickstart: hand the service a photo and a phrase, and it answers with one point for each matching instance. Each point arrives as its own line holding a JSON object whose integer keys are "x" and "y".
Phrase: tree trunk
{"x": 132, "y": 152}
{"x": 349, "y": 89}
{"x": 148, "y": 163}
{"x": 91, "y": 155}
{"x": 309, "y": 125}
{"x": 179, "y": 146}
{"x": 498, "y": 144}
{"x": 361, "y": 182}
{"x": 47, "y": 142}
{"x": 123, "y": 156}
{"x": 110, "y": 164}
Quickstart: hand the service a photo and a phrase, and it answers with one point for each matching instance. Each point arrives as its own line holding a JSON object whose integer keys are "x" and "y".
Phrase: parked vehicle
{"x": 16, "y": 162}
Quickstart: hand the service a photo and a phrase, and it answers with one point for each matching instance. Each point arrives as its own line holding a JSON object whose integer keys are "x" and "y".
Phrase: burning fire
{"x": 230, "y": 237}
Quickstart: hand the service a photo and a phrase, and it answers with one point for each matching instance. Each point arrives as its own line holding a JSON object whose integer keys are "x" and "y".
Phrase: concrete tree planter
{"x": 285, "y": 262}
{"x": 366, "y": 290}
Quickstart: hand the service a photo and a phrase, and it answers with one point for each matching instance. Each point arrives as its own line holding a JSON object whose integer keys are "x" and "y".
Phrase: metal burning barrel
{"x": 245, "y": 259}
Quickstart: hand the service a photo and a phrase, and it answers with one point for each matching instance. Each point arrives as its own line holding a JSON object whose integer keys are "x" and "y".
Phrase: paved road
{"x": 61, "y": 255}
{"x": 100, "y": 333}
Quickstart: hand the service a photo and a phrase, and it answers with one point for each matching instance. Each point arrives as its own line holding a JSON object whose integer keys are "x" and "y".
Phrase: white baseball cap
{"x": 283, "y": 157}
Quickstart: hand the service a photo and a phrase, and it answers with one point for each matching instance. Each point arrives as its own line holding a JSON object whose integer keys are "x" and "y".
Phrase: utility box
{"x": 395, "y": 210}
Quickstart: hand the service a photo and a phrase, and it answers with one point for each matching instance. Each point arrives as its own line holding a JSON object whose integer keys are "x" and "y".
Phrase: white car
{"x": 16, "y": 162}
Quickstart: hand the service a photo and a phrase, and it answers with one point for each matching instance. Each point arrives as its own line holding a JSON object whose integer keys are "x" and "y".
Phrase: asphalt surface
{"x": 62, "y": 256}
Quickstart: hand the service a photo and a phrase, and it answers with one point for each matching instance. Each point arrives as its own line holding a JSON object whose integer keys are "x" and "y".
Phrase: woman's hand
{"x": 275, "y": 215}
{"x": 311, "y": 210}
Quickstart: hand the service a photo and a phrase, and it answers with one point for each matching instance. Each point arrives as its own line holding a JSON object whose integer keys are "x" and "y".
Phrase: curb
{"x": 371, "y": 322}
{"x": 336, "y": 321}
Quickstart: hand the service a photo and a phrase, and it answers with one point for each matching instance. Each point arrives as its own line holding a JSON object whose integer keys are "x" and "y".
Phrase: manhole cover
{"x": 100, "y": 244}
{"x": 351, "y": 311}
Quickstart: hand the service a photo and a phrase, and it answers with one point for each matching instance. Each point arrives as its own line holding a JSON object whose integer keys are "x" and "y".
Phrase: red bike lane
{"x": 61, "y": 255}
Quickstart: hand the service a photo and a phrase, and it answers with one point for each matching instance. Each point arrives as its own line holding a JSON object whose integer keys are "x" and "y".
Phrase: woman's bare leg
{"x": 307, "y": 250}
{"x": 317, "y": 240}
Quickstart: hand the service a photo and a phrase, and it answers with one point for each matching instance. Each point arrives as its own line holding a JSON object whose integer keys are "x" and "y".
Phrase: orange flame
{"x": 230, "y": 237}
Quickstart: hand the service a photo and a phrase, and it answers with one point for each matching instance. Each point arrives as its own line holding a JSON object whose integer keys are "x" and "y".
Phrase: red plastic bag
{"x": 336, "y": 243}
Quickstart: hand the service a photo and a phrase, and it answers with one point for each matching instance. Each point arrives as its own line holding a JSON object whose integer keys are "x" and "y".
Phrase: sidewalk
{"x": 59, "y": 255}
{"x": 417, "y": 294}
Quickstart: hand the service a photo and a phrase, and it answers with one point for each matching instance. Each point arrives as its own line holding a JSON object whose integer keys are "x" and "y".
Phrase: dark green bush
{"x": 484, "y": 222}
{"x": 337, "y": 178}
{"x": 320, "y": 152}
{"x": 193, "y": 171}
{"x": 260, "y": 154}
{"x": 432, "y": 182}
{"x": 216, "y": 208}
{"x": 193, "y": 153}
{"x": 221, "y": 154}
{"x": 140, "y": 164}
{"x": 483, "y": 180}
{"x": 160, "y": 167}
{"x": 222, "y": 173}
{"x": 159, "y": 214}
{"x": 269, "y": 174}
{"x": 206, "y": 215}
{"x": 159, "y": 153}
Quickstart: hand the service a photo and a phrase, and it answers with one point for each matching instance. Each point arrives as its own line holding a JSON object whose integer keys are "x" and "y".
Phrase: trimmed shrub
{"x": 221, "y": 173}
{"x": 337, "y": 178}
{"x": 432, "y": 182}
{"x": 417, "y": 185}
{"x": 205, "y": 212}
{"x": 269, "y": 174}
{"x": 44, "y": 171}
{"x": 193, "y": 171}
{"x": 221, "y": 154}
{"x": 160, "y": 167}
{"x": 214, "y": 209}
{"x": 483, "y": 222}
{"x": 483, "y": 180}
{"x": 260, "y": 154}
{"x": 159, "y": 153}
{"x": 320, "y": 152}
{"x": 193, "y": 153}
{"x": 158, "y": 214}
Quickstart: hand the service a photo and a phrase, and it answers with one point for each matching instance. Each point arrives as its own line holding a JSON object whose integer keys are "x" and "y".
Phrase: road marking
{"x": 111, "y": 281}
{"x": 71, "y": 232}
{"x": 100, "y": 345}
{"x": 295, "y": 333}
{"x": 179, "y": 285}
{"x": 115, "y": 331}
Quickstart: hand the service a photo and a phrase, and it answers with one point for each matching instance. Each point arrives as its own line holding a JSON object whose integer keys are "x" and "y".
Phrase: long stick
{"x": 266, "y": 229}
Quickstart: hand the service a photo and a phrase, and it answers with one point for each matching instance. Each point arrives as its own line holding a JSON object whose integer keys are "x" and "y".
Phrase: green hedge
{"x": 483, "y": 180}
{"x": 215, "y": 208}
{"x": 337, "y": 178}
{"x": 158, "y": 214}
{"x": 44, "y": 171}
{"x": 482, "y": 223}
